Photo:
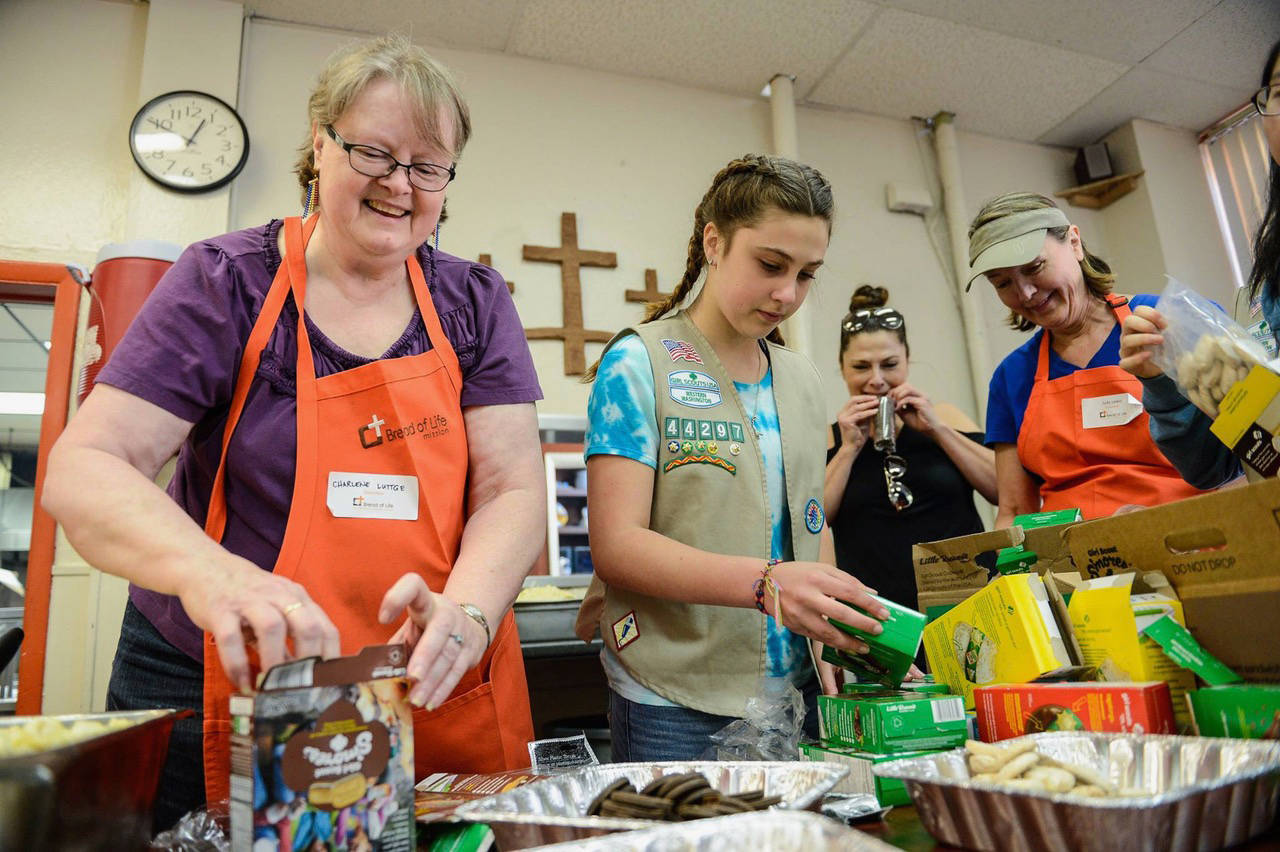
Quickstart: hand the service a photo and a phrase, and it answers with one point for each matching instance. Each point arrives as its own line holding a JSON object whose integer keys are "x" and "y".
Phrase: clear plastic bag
{"x": 770, "y": 729}
{"x": 1205, "y": 351}
{"x": 197, "y": 831}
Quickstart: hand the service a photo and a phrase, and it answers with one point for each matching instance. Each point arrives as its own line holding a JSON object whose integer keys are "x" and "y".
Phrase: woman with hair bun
{"x": 940, "y": 446}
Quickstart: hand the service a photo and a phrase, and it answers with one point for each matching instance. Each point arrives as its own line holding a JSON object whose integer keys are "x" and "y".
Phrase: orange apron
{"x": 1094, "y": 470}
{"x": 347, "y": 564}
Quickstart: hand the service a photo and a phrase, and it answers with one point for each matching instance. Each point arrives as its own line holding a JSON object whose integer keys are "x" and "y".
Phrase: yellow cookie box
{"x": 1013, "y": 630}
{"x": 1108, "y": 616}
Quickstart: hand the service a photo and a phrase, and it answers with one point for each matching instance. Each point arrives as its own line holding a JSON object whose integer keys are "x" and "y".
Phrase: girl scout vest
{"x": 710, "y": 493}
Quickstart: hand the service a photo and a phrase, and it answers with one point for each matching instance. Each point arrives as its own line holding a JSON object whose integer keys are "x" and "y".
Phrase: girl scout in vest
{"x": 705, "y": 469}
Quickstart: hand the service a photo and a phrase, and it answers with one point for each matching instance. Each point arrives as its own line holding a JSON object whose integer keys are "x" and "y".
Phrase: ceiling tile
{"x": 726, "y": 45}
{"x": 1226, "y": 47}
{"x": 1126, "y": 31}
{"x": 995, "y": 84}
{"x": 1153, "y": 95}
{"x": 474, "y": 24}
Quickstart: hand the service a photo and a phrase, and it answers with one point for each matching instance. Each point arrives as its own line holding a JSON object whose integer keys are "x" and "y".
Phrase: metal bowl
{"x": 554, "y": 809}
{"x": 1200, "y": 793}
{"x": 96, "y": 793}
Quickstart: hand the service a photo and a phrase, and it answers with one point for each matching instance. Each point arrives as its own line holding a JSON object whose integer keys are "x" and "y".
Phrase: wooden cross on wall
{"x": 650, "y": 293}
{"x": 571, "y": 260}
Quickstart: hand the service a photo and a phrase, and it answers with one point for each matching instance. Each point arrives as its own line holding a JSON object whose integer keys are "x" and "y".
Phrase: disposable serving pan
{"x": 96, "y": 793}
{"x": 554, "y": 809}
{"x": 773, "y": 830}
{"x": 1199, "y": 793}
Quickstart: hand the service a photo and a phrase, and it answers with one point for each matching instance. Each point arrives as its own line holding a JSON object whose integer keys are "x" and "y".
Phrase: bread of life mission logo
{"x": 372, "y": 434}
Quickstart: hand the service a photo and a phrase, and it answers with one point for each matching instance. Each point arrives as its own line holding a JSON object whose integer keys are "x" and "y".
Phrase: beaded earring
{"x": 313, "y": 197}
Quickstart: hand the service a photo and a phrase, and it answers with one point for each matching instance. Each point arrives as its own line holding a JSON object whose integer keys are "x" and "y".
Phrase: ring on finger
{"x": 291, "y": 607}
{"x": 456, "y": 637}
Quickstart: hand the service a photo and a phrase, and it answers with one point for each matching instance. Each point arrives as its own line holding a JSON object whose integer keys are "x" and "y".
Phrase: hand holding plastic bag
{"x": 1204, "y": 351}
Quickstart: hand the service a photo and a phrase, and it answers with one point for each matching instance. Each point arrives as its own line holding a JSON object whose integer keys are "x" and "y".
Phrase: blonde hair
{"x": 351, "y": 69}
{"x": 1098, "y": 277}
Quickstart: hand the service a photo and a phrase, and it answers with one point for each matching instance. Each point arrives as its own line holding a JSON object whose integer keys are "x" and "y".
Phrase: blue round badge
{"x": 813, "y": 516}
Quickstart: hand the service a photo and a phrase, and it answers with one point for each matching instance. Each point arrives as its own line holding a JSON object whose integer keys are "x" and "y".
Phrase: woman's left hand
{"x": 432, "y": 628}
{"x": 915, "y": 409}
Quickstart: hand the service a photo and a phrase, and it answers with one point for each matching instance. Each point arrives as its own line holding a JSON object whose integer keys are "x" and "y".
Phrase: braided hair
{"x": 741, "y": 194}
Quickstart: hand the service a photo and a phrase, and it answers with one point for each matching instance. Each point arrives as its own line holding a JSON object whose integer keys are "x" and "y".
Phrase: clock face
{"x": 189, "y": 141}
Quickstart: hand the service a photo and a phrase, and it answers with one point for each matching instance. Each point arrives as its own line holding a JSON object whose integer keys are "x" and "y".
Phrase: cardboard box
{"x": 892, "y": 722}
{"x": 950, "y": 570}
{"x": 890, "y": 654}
{"x": 1011, "y": 710}
{"x": 1109, "y": 615}
{"x": 1247, "y": 711}
{"x": 1013, "y": 630}
{"x": 324, "y": 749}
{"x": 926, "y": 685}
{"x": 1219, "y": 552}
{"x": 888, "y": 791}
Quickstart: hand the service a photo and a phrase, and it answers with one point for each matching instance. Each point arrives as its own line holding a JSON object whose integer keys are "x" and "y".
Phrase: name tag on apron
{"x": 1116, "y": 410}
{"x": 372, "y": 495}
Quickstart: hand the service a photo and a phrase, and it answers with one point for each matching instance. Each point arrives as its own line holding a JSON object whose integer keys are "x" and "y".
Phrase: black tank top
{"x": 873, "y": 540}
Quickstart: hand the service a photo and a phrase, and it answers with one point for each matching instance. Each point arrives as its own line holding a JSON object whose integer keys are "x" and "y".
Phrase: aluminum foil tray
{"x": 96, "y": 793}
{"x": 1202, "y": 793}
{"x": 776, "y": 831}
{"x": 553, "y": 810}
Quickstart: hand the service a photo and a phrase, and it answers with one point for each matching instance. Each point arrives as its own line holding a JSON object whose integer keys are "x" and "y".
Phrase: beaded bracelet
{"x": 768, "y": 582}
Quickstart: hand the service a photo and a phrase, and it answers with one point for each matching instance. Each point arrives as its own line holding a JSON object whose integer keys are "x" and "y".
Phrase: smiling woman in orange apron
{"x": 1066, "y": 422}
{"x": 296, "y": 367}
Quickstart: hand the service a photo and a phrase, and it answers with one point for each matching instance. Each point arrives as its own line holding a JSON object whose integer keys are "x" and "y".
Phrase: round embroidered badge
{"x": 813, "y": 516}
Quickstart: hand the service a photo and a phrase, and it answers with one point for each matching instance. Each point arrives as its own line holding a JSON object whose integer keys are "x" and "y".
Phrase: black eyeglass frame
{"x": 396, "y": 164}
{"x": 1265, "y": 95}
{"x": 888, "y": 319}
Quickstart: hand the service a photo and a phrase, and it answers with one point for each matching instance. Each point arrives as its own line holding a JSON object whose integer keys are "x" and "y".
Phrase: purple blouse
{"x": 183, "y": 350}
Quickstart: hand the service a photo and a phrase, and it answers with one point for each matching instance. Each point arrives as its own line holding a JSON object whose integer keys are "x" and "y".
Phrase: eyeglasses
{"x": 860, "y": 320}
{"x": 375, "y": 162}
{"x": 895, "y": 468}
{"x": 1267, "y": 100}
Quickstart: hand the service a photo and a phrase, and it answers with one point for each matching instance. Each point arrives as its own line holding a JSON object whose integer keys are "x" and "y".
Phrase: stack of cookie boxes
{"x": 868, "y": 723}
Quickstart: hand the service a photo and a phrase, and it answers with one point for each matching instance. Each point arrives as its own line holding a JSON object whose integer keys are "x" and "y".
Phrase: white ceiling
{"x": 1059, "y": 72}
{"x": 23, "y": 362}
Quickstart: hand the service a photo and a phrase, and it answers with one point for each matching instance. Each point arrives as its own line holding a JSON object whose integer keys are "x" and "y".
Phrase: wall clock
{"x": 189, "y": 141}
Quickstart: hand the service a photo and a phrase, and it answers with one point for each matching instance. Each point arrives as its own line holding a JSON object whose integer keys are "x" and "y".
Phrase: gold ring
{"x": 291, "y": 607}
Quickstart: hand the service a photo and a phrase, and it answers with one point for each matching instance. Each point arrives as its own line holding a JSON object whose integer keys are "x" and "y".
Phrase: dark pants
{"x": 645, "y": 732}
{"x": 150, "y": 673}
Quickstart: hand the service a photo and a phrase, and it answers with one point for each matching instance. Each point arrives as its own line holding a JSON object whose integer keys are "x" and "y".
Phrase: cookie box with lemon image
{"x": 1109, "y": 615}
{"x": 1013, "y": 630}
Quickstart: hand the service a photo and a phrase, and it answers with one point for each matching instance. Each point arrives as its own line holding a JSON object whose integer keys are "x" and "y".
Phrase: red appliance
{"x": 123, "y": 277}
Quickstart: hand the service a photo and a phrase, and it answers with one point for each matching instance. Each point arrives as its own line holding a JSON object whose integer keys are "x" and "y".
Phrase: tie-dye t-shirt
{"x": 622, "y": 421}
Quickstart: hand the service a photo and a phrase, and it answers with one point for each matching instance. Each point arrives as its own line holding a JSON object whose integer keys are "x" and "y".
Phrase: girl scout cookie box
{"x": 1109, "y": 616}
{"x": 888, "y": 791}
{"x": 890, "y": 654}
{"x": 1014, "y": 630}
{"x": 1013, "y": 709}
{"x": 892, "y": 721}
{"x": 324, "y": 752}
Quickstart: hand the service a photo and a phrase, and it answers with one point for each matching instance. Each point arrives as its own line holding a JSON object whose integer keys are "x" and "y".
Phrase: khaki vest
{"x": 710, "y": 493}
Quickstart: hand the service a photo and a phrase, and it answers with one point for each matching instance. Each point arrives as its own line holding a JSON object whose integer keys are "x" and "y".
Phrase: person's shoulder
{"x": 626, "y": 353}
{"x": 794, "y": 359}
{"x": 258, "y": 242}
{"x": 1141, "y": 300}
{"x": 1021, "y": 359}
{"x": 459, "y": 276}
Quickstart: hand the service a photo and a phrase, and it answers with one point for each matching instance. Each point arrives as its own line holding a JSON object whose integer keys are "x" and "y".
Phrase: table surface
{"x": 902, "y": 828}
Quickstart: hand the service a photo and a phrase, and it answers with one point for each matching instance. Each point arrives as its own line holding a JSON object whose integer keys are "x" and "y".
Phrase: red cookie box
{"x": 1013, "y": 709}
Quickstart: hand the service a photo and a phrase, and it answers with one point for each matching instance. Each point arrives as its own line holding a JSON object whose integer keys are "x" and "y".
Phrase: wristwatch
{"x": 477, "y": 616}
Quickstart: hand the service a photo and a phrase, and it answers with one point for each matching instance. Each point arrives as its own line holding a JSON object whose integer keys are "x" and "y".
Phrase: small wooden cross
{"x": 650, "y": 293}
{"x": 571, "y": 260}
{"x": 487, "y": 260}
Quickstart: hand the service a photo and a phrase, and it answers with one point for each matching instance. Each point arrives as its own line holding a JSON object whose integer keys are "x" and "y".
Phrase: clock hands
{"x": 199, "y": 127}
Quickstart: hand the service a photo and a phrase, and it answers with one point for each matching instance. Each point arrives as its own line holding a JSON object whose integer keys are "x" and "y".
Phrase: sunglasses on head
{"x": 860, "y": 320}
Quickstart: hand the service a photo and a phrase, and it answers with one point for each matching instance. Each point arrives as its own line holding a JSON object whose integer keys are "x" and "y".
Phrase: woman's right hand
{"x": 1139, "y": 335}
{"x": 813, "y": 592}
{"x": 239, "y": 603}
{"x": 855, "y": 418}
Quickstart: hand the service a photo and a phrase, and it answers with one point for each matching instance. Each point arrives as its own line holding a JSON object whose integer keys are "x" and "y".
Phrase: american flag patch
{"x": 681, "y": 351}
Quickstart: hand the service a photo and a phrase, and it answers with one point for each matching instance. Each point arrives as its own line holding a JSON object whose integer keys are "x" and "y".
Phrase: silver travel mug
{"x": 886, "y": 437}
